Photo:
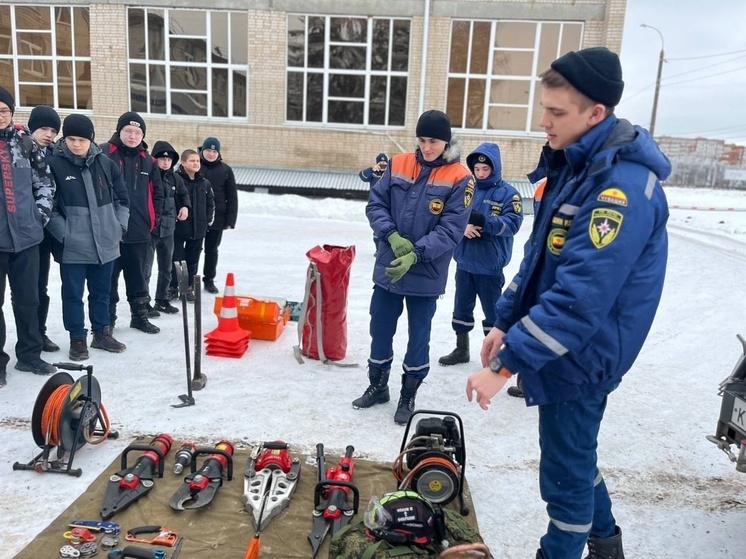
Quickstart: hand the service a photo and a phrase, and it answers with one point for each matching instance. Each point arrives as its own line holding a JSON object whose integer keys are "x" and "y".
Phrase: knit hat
{"x": 211, "y": 143}
{"x": 131, "y": 118}
{"x": 41, "y": 116}
{"x": 7, "y": 98}
{"x": 434, "y": 124}
{"x": 595, "y": 72}
{"x": 78, "y": 125}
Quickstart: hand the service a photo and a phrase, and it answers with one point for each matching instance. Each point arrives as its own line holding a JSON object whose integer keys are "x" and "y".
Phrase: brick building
{"x": 301, "y": 84}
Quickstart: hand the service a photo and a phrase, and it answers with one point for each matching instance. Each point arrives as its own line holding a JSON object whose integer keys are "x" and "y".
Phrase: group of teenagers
{"x": 574, "y": 318}
{"x": 101, "y": 211}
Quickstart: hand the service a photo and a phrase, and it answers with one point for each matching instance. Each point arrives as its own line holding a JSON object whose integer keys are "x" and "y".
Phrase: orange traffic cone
{"x": 228, "y": 339}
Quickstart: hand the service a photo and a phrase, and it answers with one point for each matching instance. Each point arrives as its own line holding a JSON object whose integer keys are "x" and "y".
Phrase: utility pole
{"x": 657, "y": 80}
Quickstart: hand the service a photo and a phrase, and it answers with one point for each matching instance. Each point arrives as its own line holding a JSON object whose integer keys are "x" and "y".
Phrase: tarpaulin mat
{"x": 223, "y": 528}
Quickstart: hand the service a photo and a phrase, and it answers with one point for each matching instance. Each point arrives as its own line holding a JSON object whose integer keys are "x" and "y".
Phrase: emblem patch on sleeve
{"x": 469, "y": 193}
{"x": 436, "y": 206}
{"x": 517, "y": 204}
{"x": 604, "y": 226}
{"x": 613, "y": 196}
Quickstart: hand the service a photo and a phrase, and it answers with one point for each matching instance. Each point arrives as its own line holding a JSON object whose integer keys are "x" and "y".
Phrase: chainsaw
{"x": 200, "y": 487}
{"x": 270, "y": 479}
{"x": 129, "y": 484}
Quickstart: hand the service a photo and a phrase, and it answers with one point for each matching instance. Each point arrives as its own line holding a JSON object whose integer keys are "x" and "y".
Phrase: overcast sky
{"x": 703, "y": 96}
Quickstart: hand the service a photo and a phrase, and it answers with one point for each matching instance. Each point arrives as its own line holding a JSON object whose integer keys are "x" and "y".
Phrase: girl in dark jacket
{"x": 190, "y": 233}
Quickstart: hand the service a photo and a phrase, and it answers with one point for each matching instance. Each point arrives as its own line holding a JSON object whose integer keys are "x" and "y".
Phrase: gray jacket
{"x": 91, "y": 206}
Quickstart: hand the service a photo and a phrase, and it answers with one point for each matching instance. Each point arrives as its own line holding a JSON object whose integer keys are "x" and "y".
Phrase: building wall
{"x": 265, "y": 139}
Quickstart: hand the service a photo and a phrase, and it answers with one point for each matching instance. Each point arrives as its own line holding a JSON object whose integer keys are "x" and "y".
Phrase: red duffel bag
{"x": 322, "y": 326}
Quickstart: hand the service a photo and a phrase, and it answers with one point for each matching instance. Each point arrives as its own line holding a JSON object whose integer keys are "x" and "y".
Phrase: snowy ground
{"x": 675, "y": 494}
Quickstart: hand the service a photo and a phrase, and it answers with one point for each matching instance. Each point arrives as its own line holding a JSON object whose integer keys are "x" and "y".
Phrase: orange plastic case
{"x": 265, "y": 318}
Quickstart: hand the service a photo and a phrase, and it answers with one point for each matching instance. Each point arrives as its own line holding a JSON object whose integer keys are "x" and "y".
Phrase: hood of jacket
{"x": 491, "y": 151}
{"x": 161, "y": 147}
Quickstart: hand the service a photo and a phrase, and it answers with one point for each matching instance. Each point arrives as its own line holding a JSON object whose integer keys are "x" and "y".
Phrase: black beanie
{"x": 595, "y": 72}
{"x": 211, "y": 143}
{"x": 41, "y": 116}
{"x": 434, "y": 124}
{"x": 7, "y": 98}
{"x": 78, "y": 125}
{"x": 131, "y": 119}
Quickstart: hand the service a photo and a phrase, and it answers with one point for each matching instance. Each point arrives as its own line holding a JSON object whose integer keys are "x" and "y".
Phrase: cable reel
{"x": 432, "y": 462}
{"x": 67, "y": 414}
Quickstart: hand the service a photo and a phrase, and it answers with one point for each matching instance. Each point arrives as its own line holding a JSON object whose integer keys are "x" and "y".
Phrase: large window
{"x": 45, "y": 55}
{"x": 494, "y": 68}
{"x": 188, "y": 62}
{"x": 347, "y": 70}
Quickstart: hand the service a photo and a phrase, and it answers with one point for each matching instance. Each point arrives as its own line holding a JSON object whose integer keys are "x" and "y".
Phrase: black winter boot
{"x": 48, "y": 345}
{"x": 377, "y": 392}
{"x": 460, "y": 354}
{"x": 151, "y": 311}
{"x": 78, "y": 349}
{"x": 606, "y": 548}
{"x": 140, "y": 320}
{"x": 405, "y": 407}
{"x": 210, "y": 286}
{"x": 104, "y": 340}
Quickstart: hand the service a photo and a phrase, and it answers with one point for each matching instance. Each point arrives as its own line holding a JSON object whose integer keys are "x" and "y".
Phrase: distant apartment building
{"x": 301, "y": 84}
{"x": 704, "y": 162}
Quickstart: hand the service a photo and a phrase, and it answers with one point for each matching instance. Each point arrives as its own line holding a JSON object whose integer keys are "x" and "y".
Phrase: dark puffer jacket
{"x": 175, "y": 194}
{"x": 203, "y": 207}
{"x": 223, "y": 184}
{"x": 90, "y": 211}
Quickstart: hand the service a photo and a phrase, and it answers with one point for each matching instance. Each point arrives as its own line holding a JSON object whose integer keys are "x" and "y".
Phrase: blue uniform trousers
{"x": 468, "y": 287}
{"x": 74, "y": 279}
{"x": 578, "y": 502}
{"x": 385, "y": 310}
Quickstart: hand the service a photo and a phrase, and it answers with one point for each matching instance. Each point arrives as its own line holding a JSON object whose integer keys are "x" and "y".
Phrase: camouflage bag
{"x": 356, "y": 541}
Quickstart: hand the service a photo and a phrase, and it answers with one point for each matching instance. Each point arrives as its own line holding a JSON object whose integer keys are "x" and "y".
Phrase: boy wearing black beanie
{"x": 575, "y": 317}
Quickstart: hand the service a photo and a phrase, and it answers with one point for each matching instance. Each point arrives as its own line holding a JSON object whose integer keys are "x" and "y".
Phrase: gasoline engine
{"x": 433, "y": 461}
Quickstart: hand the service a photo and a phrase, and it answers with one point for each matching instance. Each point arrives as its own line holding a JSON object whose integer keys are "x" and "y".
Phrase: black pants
{"x": 131, "y": 263}
{"x": 212, "y": 242}
{"x": 164, "y": 248}
{"x": 45, "y": 259}
{"x": 21, "y": 271}
{"x": 187, "y": 250}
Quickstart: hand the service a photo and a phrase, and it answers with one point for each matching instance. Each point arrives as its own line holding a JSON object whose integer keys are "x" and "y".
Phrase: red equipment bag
{"x": 322, "y": 326}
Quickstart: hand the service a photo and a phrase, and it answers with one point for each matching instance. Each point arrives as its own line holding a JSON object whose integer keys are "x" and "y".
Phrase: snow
{"x": 675, "y": 494}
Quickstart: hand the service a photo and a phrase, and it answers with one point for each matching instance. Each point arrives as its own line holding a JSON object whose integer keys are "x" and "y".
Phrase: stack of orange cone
{"x": 228, "y": 339}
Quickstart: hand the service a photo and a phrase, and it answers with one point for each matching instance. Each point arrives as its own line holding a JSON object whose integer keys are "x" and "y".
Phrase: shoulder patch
{"x": 604, "y": 226}
{"x": 469, "y": 193}
{"x": 517, "y": 203}
{"x": 613, "y": 196}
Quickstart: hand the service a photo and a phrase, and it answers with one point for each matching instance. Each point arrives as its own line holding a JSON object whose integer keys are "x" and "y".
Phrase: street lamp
{"x": 657, "y": 80}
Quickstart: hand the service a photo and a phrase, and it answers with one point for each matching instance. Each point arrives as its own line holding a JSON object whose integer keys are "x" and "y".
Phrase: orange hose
{"x": 52, "y": 415}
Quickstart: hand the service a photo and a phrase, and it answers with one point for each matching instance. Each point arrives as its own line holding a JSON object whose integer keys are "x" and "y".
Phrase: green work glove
{"x": 401, "y": 266}
{"x": 399, "y": 244}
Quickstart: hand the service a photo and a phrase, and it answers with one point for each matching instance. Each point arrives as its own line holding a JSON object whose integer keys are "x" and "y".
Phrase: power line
{"x": 705, "y": 56}
{"x": 703, "y": 68}
{"x": 703, "y": 77}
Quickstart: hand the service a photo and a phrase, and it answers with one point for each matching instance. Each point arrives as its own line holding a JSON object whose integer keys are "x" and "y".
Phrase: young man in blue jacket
{"x": 418, "y": 212}
{"x": 486, "y": 248}
{"x": 575, "y": 317}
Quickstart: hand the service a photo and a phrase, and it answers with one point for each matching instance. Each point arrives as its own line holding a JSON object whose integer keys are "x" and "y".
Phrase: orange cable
{"x": 52, "y": 415}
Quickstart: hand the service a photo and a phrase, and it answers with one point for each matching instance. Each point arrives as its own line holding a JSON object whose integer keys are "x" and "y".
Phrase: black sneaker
{"x": 152, "y": 312}
{"x": 78, "y": 349}
{"x": 172, "y": 293}
{"x": 37, "y": 366}
{"x": 165, "y": 307}
{"x": 48, "y": 345}
{"x": 210, "y": 286}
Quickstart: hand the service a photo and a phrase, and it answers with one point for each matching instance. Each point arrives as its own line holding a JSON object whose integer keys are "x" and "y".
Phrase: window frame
{"x": 167, "y": 65}
{"x": 327, "y": 71}
{"x": 54, "y": 59}
{"x": 489, "y": 77}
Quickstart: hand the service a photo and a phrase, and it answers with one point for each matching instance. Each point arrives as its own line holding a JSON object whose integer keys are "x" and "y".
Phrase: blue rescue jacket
{"x": 427, "y": 203}
{"x": 578, "y": 311}
{"x": 501, "y": 206}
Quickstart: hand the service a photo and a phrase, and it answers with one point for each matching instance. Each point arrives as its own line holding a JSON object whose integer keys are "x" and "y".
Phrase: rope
{"x": 52, "y": 415}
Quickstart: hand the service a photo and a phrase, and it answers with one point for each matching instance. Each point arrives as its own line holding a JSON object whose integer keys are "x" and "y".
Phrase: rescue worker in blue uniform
{"x": 486, "y": 249}
{"x": 418, "y": 211}
{"x": 576, "y": 315}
